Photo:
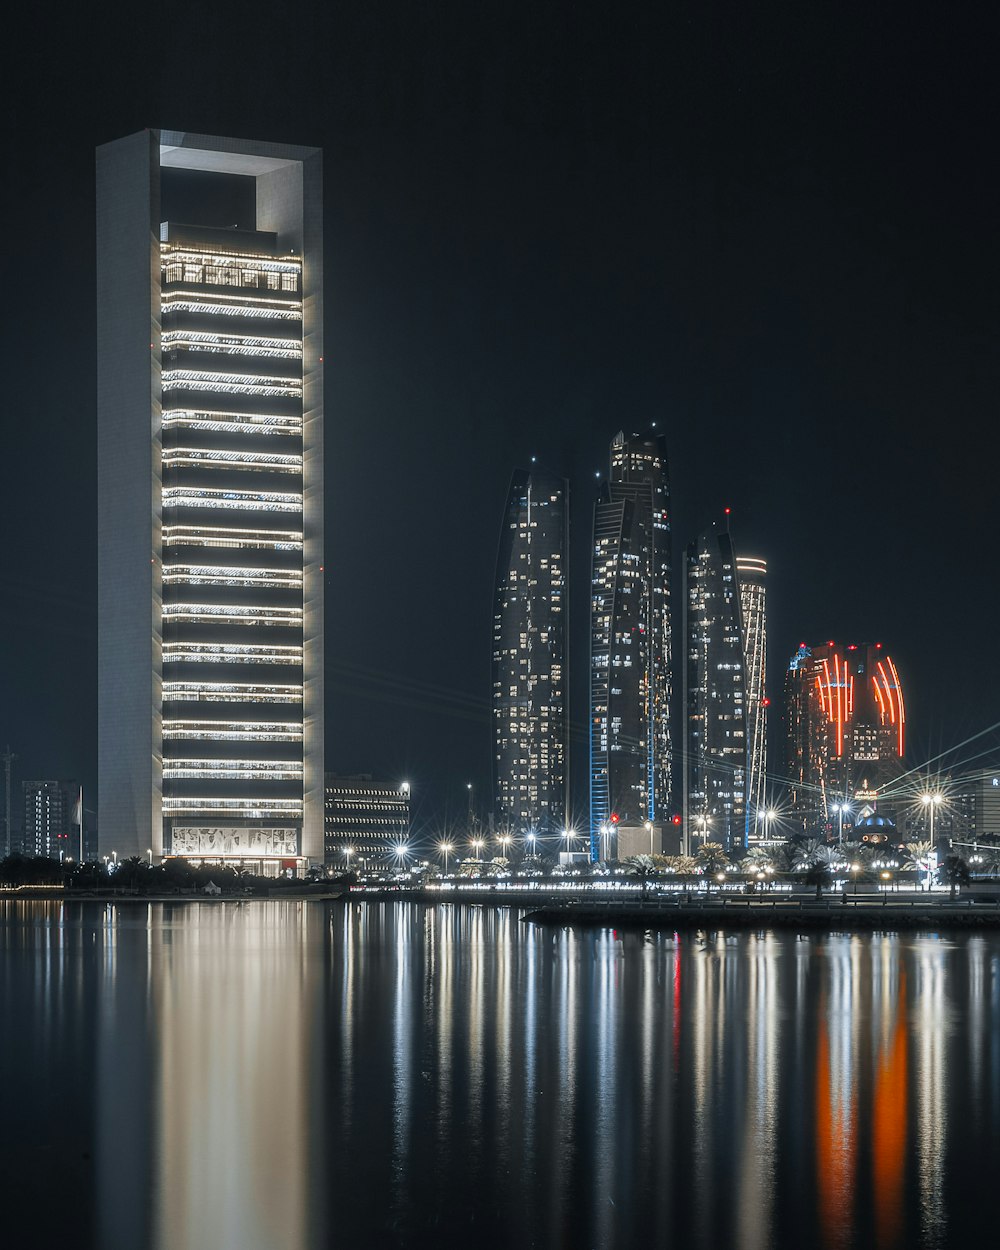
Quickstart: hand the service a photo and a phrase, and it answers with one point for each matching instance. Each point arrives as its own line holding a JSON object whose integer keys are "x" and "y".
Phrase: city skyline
{"x": 531, "y": 253}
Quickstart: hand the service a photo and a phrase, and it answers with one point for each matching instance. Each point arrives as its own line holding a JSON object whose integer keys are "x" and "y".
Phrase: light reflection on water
{"x": 289, "y": 1075}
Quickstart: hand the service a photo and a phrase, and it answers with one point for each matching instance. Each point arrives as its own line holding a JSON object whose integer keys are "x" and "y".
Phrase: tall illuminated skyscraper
{"x": 210, "y": 464}
{"x": 725, "y": 705}
{"x": 631, "y": 676}
{"x": 530, "y": 748}
{"x": 751, "y": 576}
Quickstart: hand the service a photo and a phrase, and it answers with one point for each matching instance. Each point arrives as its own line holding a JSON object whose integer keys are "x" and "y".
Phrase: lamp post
{"x": 149, "y": 852}
{"x": 477, "y": 846}
{"x": 446, "y": 848}
{"x": 348, "y": 852}
{"x": 649, "y": 829}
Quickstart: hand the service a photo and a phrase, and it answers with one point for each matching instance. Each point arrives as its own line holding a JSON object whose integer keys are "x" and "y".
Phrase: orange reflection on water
{"x": 836, "y": 1147}
{"x": 889, "y": 1130}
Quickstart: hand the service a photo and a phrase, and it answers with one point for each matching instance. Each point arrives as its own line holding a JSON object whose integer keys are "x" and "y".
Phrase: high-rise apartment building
{"x": 845, "y": 733}
{"x": 530, "y": 748}
{"x": 210, "y": 465}
{"x": 724, "y": 705}
{"x": 50, "y": 810}
{"x": 631, "y": 676}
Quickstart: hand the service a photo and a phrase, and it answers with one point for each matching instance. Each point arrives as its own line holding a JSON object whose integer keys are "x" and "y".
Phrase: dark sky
{"x": 772, "y": 229}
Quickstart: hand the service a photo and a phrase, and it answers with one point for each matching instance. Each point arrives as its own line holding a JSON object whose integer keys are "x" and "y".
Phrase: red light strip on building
{"x": 840, "y": 704}
{"x": 878, "y": 695}
{"x": 899, "y": 696}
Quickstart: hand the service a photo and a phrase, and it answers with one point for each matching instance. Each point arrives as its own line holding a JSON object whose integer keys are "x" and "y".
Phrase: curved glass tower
{"x": 631, "y": 688}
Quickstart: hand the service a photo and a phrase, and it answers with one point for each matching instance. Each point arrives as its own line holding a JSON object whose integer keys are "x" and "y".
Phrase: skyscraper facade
{"x": 751, "y": 577}
{"x": 530, "y": 739}
{"x": 725, "y": 704}
{"x": 210, "y": 463}
{"x": 631, "y": 675}
{"x": 845, "y": 733}
{"x": 715, "y": 704}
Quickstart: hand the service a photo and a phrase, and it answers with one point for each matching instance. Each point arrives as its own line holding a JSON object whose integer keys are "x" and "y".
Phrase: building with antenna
{"x": 210, "y": 476}
{"x": 845, "y": 734}
{"x": 631, "y": 649}
{"x": 530, "y": 658}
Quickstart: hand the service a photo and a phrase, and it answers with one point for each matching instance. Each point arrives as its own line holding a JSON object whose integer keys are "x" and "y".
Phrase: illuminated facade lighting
{"x": 631, "y": 648}
{"x": 846, "y": 718}
{"x": 530, "y": 657}
{"x": 229, "y": 653}
{"x": 230, "y": 537}
{"x": 232, "y": 382}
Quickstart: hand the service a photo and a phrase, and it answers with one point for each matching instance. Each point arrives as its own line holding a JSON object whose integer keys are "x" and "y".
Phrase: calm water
{"x": 282, "y": 1075}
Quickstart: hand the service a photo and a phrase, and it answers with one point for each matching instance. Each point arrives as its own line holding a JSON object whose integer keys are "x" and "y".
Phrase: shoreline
{"x": 860, "y": 917}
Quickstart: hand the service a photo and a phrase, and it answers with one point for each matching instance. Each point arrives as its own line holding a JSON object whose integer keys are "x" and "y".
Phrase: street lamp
{"x": 348, "y": 852}
{"x": 931, "y": 801}
{"x": 843, "y": 810}
{"x": 446, "y": 849}
{"x": 649, "y": 829}
{"x": 477, "y": 846}
{"x": 149, "y": 852}
{"x": 505, "y": 841}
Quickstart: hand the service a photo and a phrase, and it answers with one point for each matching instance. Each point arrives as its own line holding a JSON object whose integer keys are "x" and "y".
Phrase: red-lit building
{"x": 845, "y": 718}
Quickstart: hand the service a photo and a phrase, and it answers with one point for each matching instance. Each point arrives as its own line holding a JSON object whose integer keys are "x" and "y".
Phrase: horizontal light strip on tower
{"x": 232, "y": 770}
{"x": 246, "y": 807}
{"x": 239, "y": 500}
{"x": 231, "y": 614}
{"x": 230, "y": 692}
{"x": 196, "y": 457}
{"x": 266, "y": 264}
{"x": 210, "y": 575}
{"x": 229, "y": 653}
{"x": 230, "y": 422}
{"x": 231, "y": 344}
{"x": 218, "y": 305}
{"x": 223, "y": 536}
{"x": 229, "y": 383}
{"x": 232, "y": 730}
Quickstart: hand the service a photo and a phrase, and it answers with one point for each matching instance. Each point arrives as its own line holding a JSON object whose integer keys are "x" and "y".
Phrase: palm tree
{"x": 921, "y": 854}
{"x": 641, "y": 866}
{"x": 711, "y": 858}
{"x": 954, "y": 872}
{"x": 818, "y": 874}
{"x": 806, "y": 855}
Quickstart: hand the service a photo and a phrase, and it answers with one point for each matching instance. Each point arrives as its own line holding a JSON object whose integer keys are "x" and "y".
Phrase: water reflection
{"x": 295, "y": 1076}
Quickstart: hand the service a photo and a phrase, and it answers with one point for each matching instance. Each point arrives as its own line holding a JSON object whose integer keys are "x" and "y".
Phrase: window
{"x": 213, "y": 275}
{"x": 274, "y": 282}
{"x": 289, "y": 282}
{"x": 249, "y": 278}
{"x": 193, "y": 273}
{"x": 174, "y": 272}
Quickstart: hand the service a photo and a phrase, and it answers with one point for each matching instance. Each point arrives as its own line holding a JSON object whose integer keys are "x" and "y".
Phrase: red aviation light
{"x": 675, "y": 820}
{"x": 614, "y": 818}
{"x": 765, "y": 702}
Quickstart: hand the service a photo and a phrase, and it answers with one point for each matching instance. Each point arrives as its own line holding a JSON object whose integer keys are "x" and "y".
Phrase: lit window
{"x": 289, "y": 282}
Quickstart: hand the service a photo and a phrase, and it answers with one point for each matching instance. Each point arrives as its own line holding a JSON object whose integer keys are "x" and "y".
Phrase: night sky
{"x": 771, "y": 229}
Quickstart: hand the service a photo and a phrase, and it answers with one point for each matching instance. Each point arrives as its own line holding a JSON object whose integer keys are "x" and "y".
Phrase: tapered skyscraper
{"x": 530, "y": 752}
{"x": 631, "y": 646}
{"x": 751, "y": 575}
{"x": 724, "y": 704}
{"x": 210, "y": 463}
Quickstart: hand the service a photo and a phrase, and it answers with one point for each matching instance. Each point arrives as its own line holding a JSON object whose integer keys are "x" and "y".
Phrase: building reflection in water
{"x": 204, "y": 1127}
{"x": 280, "y": 1074}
